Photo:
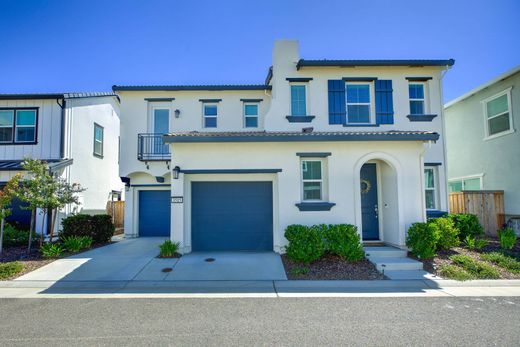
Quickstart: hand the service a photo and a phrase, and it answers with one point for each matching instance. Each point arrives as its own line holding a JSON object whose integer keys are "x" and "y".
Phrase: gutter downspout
{"x": 62, "y": 127}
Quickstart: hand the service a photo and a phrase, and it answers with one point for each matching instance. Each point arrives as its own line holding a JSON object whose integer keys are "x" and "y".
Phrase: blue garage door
{"x": 154, "y": 213}
{"x": 232, "y": 216}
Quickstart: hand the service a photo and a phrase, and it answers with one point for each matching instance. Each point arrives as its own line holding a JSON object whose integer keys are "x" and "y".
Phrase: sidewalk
{"x": 256, "y": 289}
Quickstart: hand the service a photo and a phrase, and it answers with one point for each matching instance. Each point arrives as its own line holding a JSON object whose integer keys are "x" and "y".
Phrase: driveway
{"x": 135, "y": 260}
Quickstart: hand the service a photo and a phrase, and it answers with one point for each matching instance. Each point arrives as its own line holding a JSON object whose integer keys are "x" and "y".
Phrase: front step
{"x": 385, "y": 252}
{"x": 410, "y": 275}
{"x": 395, "y": 263}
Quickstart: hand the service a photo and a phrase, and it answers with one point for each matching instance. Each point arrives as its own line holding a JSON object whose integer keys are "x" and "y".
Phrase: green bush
{"x": 99, "y": 227}
{"x": 455, "y": 273}
{"x": 467, "y": 224}
{"x": 422, "y": 239}
{"x": 478, "y": 269}
{"x": 344, "y": 241}
{"x": 10, "y": 269}
{"x": 51, "y": 250}
{"x": 507, "y": 238}
{"x": 448, "y": 234}
{"x": 471, "y": 242}
{"x": 168, "y": 249}
{"x": 502, "y": 260}
{"x": 76, "y": 243}
{"x": 305, "y": 243}
{"x": 14, "y": 237}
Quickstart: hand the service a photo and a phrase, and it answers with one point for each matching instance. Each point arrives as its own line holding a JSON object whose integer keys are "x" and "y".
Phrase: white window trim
{"x": 152, "y": 127}
{"x": 204, "y": 104}
{"x": 306, "y": 85}
{"x": 324, "y": 186}
{"x": 425, "y": 99}
{"x": 372, "y": 104}
{"x": 249, "y": 103}
{"x": 463, "y": 178}
{"x": 16, "y": 127}
{"x": 486, "y": 119}
{"x": 152, "y": 106}
{"x": 434, "y": 189}
{"x": 101, "y": 142}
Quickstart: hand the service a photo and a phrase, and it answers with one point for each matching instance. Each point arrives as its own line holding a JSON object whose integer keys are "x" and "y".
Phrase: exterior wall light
{"x": 177, "y": 113}
{"x": 176, "y": 171}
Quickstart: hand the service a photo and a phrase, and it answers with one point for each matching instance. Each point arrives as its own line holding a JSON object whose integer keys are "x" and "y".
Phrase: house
{"x": 77, "y": 134}
{"x": 483, "y": 141}
{"x": 321, "y": 141}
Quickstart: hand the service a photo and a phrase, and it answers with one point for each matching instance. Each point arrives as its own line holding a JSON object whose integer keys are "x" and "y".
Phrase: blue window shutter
{"x": 337, "y": 103}
{"x": 384, "y": 102}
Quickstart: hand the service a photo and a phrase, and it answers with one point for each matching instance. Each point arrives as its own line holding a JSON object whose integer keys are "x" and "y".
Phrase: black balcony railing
{"x": 152, "y": 147}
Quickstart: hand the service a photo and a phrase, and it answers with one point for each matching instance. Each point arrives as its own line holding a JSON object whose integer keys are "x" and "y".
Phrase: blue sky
{"x": 58, "y": 46}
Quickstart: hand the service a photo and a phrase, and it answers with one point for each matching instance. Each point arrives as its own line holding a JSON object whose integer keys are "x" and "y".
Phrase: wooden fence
{"x": 117, "y": 210}
{"x": 487, "y": 205}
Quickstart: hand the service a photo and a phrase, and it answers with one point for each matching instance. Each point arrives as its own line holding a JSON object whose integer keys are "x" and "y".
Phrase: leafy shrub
{"x": 471, "y": 242}
{"x": 76, "y": 243}
{"x": 10, "y": 269}
{"x": 502, "y": 260}
{"x": 51, "y": 250}
{"x": 298, "y": 271}
{"x": 168, "y": 249}
{"x": 14, "y": 237}
{"x": 305, "y": 243}
{"x": 455, "y": 273}
{"x": 344, "y": 241}
{"x": 507, "y": 238}
{"x": 422, "y": 239}
{"x": 478, "y": 269}
{"x": 467, "y": 224}
{"x": 99, "y": 227}
{"x": 448, "y": 234}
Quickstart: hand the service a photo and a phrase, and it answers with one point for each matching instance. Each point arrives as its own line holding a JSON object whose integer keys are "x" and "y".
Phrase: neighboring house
{"x": 77, "y": 134}
{"x": 321, "y": 141}
{"x": 483, "y": 141}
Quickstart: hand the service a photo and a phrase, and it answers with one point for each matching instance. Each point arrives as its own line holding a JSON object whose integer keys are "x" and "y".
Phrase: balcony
{"x": 150, "y": 147}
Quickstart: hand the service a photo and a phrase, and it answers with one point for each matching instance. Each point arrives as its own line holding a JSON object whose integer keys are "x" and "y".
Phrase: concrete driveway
{"x": 135, "y": 260}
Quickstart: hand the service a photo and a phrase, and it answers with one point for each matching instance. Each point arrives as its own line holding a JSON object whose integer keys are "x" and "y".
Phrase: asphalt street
{"x": 472, "y": 321}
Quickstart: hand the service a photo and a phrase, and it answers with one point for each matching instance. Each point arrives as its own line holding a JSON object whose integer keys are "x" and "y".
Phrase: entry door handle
{"x": 376, "y": 210}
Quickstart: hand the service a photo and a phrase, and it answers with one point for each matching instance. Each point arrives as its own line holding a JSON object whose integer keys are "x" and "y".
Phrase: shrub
{"x": 478, "y": 269}
{"x": 76, "y": 243}
{"x": 14, "y": 237}
{"x": 472, "y": 242}
{"x": 344, "y": 241}
{"x": 502, "y": 260}
{"x": 99, "y": 227}
{"x": 422, "y": 239}
{"x": 10, "y": 269}
{"x": 51, "y": 250}
{"x": 305, "y": 243}
{"x": 448, "y": 234}
{"x": 467, "y": 224}
{"x": 299, "y": 271}
{"x": 168, "y": 249}
{"x": 507, "y": 238}
{"x": 455, "y": 272}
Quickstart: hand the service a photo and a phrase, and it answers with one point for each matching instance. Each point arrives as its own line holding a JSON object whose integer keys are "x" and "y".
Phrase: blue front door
{"x": 369, "y": 208}
{"x": 154, "y": 213}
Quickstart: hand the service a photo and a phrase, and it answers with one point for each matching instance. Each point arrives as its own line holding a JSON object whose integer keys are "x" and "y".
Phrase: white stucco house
{"x": 229, "y": 167}
{"x": 77, "y": 134}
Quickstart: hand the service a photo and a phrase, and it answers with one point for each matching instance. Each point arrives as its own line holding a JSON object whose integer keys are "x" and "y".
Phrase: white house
{"x": 321, "y": 141}
{"x": 77, "y": 134}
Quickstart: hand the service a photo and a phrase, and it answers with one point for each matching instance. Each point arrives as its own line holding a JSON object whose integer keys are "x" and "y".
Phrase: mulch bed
{"x": 332, "y": 267}
{"x": 442, "y": 258}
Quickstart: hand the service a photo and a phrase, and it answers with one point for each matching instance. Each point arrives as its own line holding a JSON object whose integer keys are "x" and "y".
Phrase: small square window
{"x": 251, "y": 115}
{"x": 210, "y": 115}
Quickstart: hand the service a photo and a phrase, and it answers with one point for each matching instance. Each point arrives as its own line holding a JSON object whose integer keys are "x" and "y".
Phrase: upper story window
{"x": 417, "y": 98}
{"x": 18, "y": 126}
{"x": 430, "y": 188}
{"x": 251, "y": 115}
{"x": 497, "y": 110}
{"x": 161, "y": 120}
{"x": 98, "y": 140}
{"x": 359, "y": 107}
{"x": 298, "y": 100}
{"x": 210, "y": 113}
{"x": 312, "y": 180}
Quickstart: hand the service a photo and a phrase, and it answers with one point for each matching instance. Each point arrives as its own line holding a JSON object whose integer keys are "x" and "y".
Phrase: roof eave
{"x": 389, "y": 63}
{"x": 116, "y": 88}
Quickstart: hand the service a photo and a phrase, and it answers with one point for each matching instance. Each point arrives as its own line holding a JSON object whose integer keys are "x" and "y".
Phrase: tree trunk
{"x": 43, "y": 227}
{"x": 54, "y": 213}
{"x": 32, "y": 226}
{"x": 2, "y": 224}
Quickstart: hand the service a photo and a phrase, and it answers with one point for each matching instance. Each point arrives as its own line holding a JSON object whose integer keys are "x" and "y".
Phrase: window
{"x": 161, "y": 120}
{"x": 497, "y": 110}
{"x": 298, "y": 100}
{"x": 358, "y": 102}
{"x": 210, "y": 115}
{"x": 430, "y": 188}
{"x": 312, "y": 179}
{"x": 18, "y": 125}
{"x": 416, "y": 94}
{"x": 98, "y": 140}
{"x": 251, "y": 115}
{"x": 465, "y": 183}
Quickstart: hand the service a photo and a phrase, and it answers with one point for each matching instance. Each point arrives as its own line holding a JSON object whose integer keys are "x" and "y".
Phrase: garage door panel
{"x": 232, "y": 216}
{"x": 154, "y": 213}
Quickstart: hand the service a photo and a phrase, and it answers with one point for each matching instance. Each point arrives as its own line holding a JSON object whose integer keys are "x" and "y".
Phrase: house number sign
{"x": 177, "y": 200}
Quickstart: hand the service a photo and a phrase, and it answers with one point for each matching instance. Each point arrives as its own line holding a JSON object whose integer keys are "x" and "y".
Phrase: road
{"x": 453, "y": 321}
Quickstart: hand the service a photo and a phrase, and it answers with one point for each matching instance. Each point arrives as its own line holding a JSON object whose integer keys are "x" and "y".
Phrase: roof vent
{"x": 307, "y": 130}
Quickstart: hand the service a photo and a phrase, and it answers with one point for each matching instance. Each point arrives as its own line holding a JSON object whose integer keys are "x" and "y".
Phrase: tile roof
{"x": 20, "y": 96}
{"x": 16, "y": 165}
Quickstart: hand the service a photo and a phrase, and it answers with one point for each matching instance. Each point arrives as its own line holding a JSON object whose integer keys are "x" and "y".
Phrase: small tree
{"x": 6, "y": 197}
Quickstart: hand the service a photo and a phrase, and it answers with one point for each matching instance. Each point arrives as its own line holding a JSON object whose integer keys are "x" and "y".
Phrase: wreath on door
{"x": 365, "y": 186}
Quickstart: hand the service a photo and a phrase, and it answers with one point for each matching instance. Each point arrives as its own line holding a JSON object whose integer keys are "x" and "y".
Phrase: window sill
{"x": 300, "y": 119}
{"x": 18, "y": 143}
{"x": 421, "y": 117}
{"x": 97, "y": 155}
{"x": 435, "y": 213}
{"x": 359, "y": 125}
{"x": 315, "y": 206}
{"x": 504, "y": 133}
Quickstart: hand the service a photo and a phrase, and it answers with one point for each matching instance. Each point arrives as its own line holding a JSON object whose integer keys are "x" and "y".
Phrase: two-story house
{"x": 321, "y": 141}
{"x": 483, "y": 142}
{"x": 77, "y": 134}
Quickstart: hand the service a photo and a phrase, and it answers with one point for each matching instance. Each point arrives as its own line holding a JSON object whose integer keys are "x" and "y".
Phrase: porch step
{"x": 395, "y": 263}
{"x": 385, "y": 252}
